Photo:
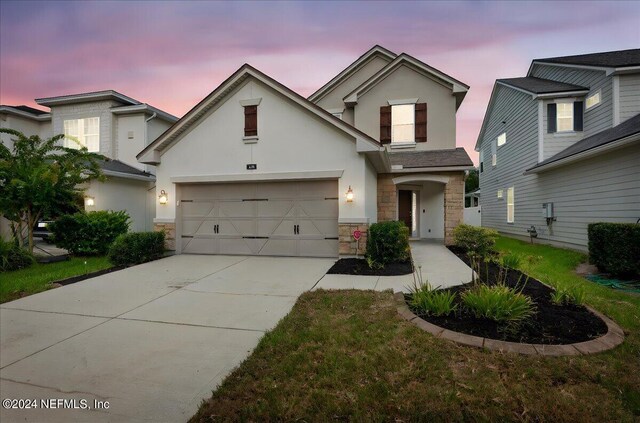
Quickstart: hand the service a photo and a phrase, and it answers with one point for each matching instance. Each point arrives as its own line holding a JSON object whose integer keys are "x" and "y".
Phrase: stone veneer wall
{"x": 453, "y": 200}
{"x": 346, "y": 242}
{"x": 170, "y": 231}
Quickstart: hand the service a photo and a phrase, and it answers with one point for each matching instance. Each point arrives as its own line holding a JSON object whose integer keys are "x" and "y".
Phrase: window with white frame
{"x": 502, "y": 139}
{"x": 494, "y": 156}
{"x": 403, "y": 118}
{"x": 500, "y": 193}
{"x": 564, "y": 117}
{"x": 593, "y": 100}
{"x": 510, "y": 205}
{"x": 82, "y": 133}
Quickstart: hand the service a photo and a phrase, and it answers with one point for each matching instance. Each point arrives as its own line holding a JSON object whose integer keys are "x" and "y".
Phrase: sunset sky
{"x": 172, "y": 54}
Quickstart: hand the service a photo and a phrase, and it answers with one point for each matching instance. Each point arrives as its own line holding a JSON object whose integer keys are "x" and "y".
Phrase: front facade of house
{"x": 108, "y": 123}
{"x": 560, "y": 148}
{"x": 257, "y": 169}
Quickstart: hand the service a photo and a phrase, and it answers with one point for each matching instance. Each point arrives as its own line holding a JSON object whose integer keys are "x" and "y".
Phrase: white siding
{"x": 629, "y": 96}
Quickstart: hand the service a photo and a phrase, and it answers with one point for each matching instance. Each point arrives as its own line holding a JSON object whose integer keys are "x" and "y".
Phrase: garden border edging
{"x": 613, "y": 337}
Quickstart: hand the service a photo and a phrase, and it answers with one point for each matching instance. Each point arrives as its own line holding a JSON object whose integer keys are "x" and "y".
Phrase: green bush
{"x": 387, "y": 242}
{"x": 568, "y": 296}
{"x": 475, "y": 240}
{"x": 615, "y": 248}
{"x": 89, "y": 234}
{"x": 498, "y": 303}
{"x": 432, "y": 302}
{"x": 12, "y": 257}
{"x": 137, "y": 247}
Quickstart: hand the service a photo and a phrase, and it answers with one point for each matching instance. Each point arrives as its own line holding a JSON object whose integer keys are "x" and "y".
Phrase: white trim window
{"x": 403, "y": 118}
{"x": 564, "y": 117}
{"x": 511, "y": 205}
{"x": 500, "y": 193}
{"x": 593, "y": 100}
{"x": 494, "y": 156}
{"x": 502, "y": 139}
{"x": 82, "y": 133}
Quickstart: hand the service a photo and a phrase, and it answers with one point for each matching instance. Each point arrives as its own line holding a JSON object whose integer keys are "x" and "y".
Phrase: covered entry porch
{"x": 430, "y": 204}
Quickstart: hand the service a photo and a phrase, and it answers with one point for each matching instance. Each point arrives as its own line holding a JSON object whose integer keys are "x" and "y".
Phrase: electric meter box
{"x": 547, "y": 210}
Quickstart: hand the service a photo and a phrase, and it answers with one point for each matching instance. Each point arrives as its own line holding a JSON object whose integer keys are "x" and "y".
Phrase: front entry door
{"x": 405, "y": 207}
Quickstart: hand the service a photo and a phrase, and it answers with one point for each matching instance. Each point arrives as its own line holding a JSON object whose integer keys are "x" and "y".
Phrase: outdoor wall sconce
{"x": 89, "y": 201}
{"x": 163, "y": 197}
{"x": 349, "y": 195}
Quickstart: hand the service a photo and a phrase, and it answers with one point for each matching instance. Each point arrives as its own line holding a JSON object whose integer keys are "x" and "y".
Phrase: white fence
{"x": 472, "y": 216}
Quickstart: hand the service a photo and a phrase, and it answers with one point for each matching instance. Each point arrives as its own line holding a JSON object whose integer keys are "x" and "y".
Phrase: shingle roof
{"x": 120, "y": 167}
{"x": 612, "y": 59}
{"x": 623, "y": 130}
{"x": 541, "y": 86}
{"x": 431, "y": 158}
{"x": 31, "y": 110}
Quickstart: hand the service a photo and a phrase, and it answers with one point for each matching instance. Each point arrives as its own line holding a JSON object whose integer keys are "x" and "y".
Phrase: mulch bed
{"x": 79, "y": 278}
{"x": 356, "y": 266}
{"x": 551, "y": 324}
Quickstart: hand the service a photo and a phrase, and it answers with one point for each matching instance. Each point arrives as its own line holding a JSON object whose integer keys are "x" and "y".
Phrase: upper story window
{"x": 494, "y": 156}
{"x": 565, "y": 116}
{"x": 502, "y": 139}
{"x": 251, "y": 121}
{"x": 82, "y": 133}
{"x": 403, "y": 123}
{"x": 511, "y": 205}
{"x": 500, "y": 193}
{"x": 593, "y": 100}
{"x": 481, "y": 161}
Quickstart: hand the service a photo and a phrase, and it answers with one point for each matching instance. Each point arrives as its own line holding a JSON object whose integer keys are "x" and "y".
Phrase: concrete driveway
{"x": 152, "y": 340}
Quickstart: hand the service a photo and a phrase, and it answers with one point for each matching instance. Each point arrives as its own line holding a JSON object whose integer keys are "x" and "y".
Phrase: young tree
{"x": 471, "y": 181}
{"x": 40, "y": 177}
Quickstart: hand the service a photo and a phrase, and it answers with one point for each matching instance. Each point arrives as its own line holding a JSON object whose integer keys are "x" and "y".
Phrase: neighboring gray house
{"x": 560, "y": 148}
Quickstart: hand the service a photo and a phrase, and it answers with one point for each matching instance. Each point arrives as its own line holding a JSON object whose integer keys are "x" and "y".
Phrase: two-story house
{"x": 560, "y": 148}
{"x": 108, "y": 123}
{"x": 257, "y": 169}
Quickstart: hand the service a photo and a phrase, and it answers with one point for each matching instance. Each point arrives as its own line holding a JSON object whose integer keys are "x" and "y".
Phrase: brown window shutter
{"x": 385, "y": 124}
{"x": 421, "y": 122}
{"x": 250, "y": 121}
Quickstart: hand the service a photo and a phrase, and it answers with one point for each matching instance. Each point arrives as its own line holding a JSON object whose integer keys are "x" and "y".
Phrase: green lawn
{"x": 39, "y": 277}
{"x": 346, "y": 355}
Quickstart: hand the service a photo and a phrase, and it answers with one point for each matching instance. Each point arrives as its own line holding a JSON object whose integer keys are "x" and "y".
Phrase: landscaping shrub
{"x": 137, "y": 247}
{"x": 615, "y": 248}
{"x": 12, "y": 257}
{"x": 498, "y": 303}
{"x": 432, "y": 301}
{"x": 475, "y": 240}
{"x": 387, "y": 242}
{"x": 563, "y": 296}
{"x": 88, "y": 234}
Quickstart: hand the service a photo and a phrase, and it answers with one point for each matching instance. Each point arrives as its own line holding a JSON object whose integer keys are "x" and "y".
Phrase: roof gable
{"x": 458, "y": 88}
{"x": 375, "y": 51}
{"x": 151, "y": 154}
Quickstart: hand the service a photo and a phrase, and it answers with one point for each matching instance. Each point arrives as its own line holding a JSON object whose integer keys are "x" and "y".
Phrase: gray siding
{"x": 556, "y": 142}
{"x": 604, "y": 188}
{"x": 629, "y": 96}
{"x": 596, "y": 119}
{"x": 520, "y": 112}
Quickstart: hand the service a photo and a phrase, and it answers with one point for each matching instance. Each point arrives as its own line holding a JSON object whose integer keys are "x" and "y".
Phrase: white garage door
{"x": 264, "y": 218}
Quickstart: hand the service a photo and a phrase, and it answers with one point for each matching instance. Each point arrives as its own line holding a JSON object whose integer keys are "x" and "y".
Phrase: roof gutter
{"x": 400, "y": 169}
{"x": 40, "y": 118}
{"x": 149, "y": 178}
{"x": 614, "y": 145}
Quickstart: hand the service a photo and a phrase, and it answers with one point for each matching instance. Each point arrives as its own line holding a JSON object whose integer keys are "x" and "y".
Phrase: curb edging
{"x": 608, "y": 341}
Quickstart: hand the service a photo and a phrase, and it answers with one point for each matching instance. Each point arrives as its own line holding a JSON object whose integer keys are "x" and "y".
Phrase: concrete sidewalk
{"x": 438, "y": 265}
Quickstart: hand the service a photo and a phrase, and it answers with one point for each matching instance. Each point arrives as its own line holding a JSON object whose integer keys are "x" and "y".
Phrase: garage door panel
{"x": 198, "y": 227}
{"x": 237, "y": 227}
{"x": 318, "y": 208}
{"x": 324, "y": 227}
{"x": 197, "y": 209}
{"x": 199, "y": 246}
{"x": 235, "y": 246}
{"x": 237, "y": 209}
{"x": 275, "y": 208}
{"x": 318, "y": 189}
{"x": 275, "y": 227}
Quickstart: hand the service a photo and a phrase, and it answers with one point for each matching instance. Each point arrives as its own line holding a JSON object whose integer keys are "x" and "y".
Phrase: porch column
{"x": 453, "y": 205}
{"x": 387, "y": 198}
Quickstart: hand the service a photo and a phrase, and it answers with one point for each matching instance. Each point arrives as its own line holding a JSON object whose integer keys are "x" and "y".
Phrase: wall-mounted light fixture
{"x": 163, "y": 198}
{"x": 89, "y": 201}
{"x": 349, "y": 195}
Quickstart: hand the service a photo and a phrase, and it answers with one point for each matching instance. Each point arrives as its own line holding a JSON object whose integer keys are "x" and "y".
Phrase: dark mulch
{"x": 551, "y": 324}
{"x": 80, "y": 278}
{"x": 354, "y": 266}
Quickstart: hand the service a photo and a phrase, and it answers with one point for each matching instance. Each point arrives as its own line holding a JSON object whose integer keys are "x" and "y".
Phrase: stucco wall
{"x": 28, "y": 127}
{"x": 123, "y": 194}
{"x": 126, "y": 148}
{"x": 333, "y": 99}
{"x": 291, "y": 139}
{"x": 405, "y": 83}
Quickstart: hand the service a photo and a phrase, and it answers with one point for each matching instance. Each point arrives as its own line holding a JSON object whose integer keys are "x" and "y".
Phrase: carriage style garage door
{"x": 263, "y": 218}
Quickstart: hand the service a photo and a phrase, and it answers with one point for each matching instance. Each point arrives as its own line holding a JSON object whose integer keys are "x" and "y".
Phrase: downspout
{"x": 146, "y": 140}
